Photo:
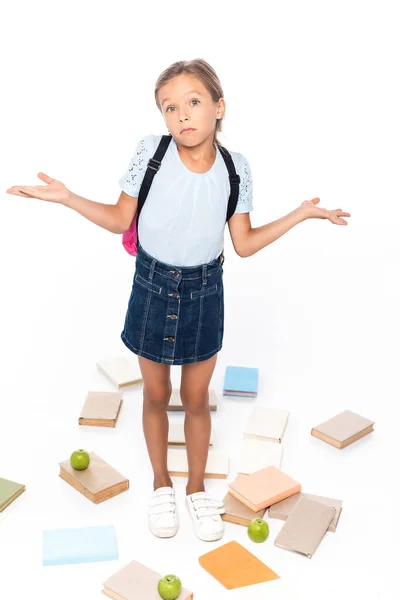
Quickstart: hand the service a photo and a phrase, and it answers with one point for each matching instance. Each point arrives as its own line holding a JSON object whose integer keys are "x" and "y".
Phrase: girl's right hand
{"x": 54, "y": 191}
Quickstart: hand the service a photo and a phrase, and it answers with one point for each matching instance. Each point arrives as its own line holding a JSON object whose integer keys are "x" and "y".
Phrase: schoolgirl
{"x": 177, "y": 194}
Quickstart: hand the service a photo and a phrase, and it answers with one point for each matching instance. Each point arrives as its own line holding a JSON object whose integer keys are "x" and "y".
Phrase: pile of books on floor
{"x": 260, "y": 488}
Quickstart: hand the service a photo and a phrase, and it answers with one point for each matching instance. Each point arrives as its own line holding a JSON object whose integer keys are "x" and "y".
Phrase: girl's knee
{"x": 156, "y": 398}
{"x": 195, "y": 403}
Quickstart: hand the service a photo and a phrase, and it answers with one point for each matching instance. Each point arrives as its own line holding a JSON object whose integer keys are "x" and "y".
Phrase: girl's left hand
{"x": 309, "y": 210}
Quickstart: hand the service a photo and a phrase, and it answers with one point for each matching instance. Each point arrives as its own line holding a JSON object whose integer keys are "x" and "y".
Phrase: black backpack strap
{"x": 234, "y": 179}
{"x": 153, "y": 164}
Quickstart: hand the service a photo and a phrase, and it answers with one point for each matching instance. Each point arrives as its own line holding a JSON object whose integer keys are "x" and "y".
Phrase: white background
{"x": 312, "y": 102}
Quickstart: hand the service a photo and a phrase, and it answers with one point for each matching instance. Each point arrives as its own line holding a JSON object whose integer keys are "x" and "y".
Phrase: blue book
{"x": 241, "y": 381}
{"x": 80, "y": 545}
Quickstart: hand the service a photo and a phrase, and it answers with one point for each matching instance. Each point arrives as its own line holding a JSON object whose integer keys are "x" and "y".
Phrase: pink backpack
{"x": 130, "y": 237}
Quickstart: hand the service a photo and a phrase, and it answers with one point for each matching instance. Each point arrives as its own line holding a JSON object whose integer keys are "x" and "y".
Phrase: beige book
{"x": 176, "y": 435}
{"x": 238, "y": 513}
{"x": 137, "y": 582}
{"x": 99, "y": 482}
{"x": 263, "y": 488}
{"x": 101, "y": 409}
{"x": 305, "y": 527}
{"x": 175, "y": 402}
{"x": 282, "y": 510}
{"x": 257, "y": 454}
{"x": 217, "y": 466}
{"x": 266, "y": 423}
{"x": 120, "y": 371}
{"x": 343, "y": 429}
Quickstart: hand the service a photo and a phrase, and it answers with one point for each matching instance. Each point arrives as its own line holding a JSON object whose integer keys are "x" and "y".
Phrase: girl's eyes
{"x": 194, "y": 100}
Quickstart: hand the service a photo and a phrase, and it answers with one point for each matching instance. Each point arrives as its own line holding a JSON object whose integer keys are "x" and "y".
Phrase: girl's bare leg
{"x": 195, "y": 381}
{"x": 156, "y": 395}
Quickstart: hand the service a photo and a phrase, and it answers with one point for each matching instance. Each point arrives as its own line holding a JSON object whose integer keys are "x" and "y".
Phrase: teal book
{"x": 9, "y": 491}
{"x": 79, "y": 545}
{"x": 241, "y": 381}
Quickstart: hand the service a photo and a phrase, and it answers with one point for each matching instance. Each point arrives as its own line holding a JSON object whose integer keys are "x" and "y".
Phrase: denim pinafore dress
{"x": 175, "y": 314}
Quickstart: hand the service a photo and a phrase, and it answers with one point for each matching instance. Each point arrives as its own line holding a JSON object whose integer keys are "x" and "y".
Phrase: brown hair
{"x": 203, "y": 71}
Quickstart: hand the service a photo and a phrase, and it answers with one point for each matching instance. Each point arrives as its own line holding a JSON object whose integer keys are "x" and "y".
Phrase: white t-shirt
{"x": 183, "y": 219}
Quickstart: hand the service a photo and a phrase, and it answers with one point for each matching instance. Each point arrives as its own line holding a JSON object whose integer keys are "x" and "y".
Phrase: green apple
{"x": 258, "y": 530}
{"x": 79, "y": 460}
{"x": 169, "y": 587}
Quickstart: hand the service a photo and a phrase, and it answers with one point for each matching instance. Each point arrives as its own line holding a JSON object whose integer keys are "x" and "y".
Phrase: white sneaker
{"x": 205, "y": 512}
{"x": 162, "y": 515}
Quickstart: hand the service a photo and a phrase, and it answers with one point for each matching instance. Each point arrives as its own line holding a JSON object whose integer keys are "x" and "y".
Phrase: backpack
{"x": 130, "y": 237}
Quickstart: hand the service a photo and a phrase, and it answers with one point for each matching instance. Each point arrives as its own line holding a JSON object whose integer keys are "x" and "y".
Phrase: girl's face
{"x": 186, "y": 103}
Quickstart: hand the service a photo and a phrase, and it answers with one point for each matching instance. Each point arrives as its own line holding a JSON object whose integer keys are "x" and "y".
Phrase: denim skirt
{"x": 175, "y": 314}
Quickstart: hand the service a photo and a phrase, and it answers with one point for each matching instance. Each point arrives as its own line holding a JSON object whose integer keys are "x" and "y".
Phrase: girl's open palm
{"x": 310, "y": 209}
{"x": 54, "y": 191}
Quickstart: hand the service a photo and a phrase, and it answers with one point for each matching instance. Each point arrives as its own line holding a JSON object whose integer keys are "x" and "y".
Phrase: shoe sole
{"x": 164, "y": 533}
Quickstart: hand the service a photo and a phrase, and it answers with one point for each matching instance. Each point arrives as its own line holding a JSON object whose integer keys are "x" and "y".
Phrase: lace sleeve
{"x": 132, "y": 179}
{"x": 245, "y": 200}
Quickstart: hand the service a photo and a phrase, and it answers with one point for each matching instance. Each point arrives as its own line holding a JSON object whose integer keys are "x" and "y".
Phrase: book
{"x": 282, "y": 510}
{"x": 266, "y": 424}
{"x": 241, "y": 381}
{"x": 305, "y": 526}
{"x": 120, "y": 371}
{"x": 238, "y": 513}
{"x": 256, "y": 454}
{"x": 9, "y": 491}
{"x": 234, "y": 566}
{"x": 101, "y": 409}
{"x": 79, "y": 545}
{"x": 99, "y": 482}
{"x": 136, "y": 581}
{"x": 343, "y": 429}
{"x": 217, "y": 466}
{"x": 175, "y": 402}
{"x": 176, "y": 435}
{"x": 263, "y": 488}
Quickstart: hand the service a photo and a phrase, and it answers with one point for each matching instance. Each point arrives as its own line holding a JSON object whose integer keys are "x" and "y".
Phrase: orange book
{"x": 234, "y": 566}
{"x": 263, "y": 488}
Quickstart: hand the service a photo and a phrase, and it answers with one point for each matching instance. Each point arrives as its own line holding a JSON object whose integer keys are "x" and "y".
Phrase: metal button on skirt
{"x": 175, "y": 314}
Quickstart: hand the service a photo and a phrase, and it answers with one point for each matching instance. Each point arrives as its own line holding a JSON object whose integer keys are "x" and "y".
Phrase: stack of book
{"x": 241, "y": 381}
{"x": 307, "y": 518}
{"x": 249, "y": 495}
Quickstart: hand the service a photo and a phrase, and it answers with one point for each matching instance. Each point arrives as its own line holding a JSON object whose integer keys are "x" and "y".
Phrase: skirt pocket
{"x": 147, "y": 284}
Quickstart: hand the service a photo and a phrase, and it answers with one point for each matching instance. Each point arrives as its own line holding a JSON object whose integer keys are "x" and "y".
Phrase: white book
{"x": 175, "y": 402}
{"x": 120, "y": 371}
{"x": 257, "y": 454}
{"x": 176, "y": 435}
{"x": 217, "y": 463}
{"x": 266, "y": 424}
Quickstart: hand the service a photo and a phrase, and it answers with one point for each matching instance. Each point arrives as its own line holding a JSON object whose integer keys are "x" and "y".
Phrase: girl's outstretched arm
{"x": 248, "y": 240}
{"x": 113, "y": 217}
